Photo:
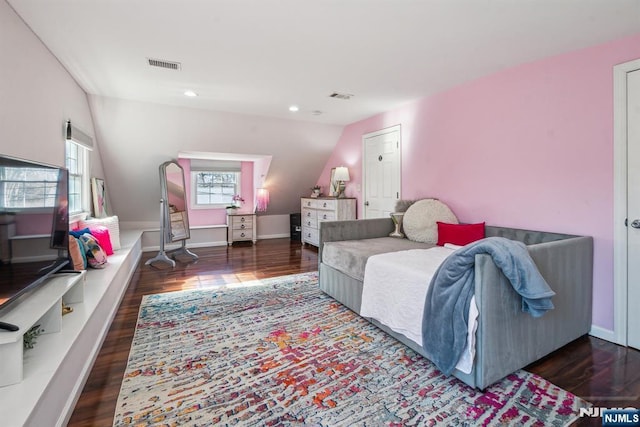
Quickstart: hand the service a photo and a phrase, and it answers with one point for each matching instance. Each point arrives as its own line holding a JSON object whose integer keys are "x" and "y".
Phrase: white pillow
{"x": 112, "y": 224}
{"x": 419, "y": 222}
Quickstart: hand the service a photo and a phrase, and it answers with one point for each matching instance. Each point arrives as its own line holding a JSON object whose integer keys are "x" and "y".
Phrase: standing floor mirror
{"x": 174, "y": 218}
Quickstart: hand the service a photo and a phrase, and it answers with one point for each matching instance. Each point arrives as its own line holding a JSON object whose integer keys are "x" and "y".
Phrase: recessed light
{"x": 294, "y": 108}
{"x": 190, "y": 93}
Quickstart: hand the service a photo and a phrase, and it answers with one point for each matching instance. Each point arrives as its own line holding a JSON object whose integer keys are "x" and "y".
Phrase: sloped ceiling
{"x": 249, "y": 60}
{"x": 260, "y": 56}
{"x": 136, "y": 137}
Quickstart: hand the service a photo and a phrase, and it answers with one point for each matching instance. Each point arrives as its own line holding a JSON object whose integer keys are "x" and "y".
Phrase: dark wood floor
{"x": 603, "y": 373}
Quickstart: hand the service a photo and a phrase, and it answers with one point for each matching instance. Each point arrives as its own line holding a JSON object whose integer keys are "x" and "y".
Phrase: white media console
{"x": 40, "y": 386}
{"x": 41, "y": 307}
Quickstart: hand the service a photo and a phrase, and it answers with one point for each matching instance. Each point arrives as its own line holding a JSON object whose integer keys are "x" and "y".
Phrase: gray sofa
{"x": 507, "y": 339}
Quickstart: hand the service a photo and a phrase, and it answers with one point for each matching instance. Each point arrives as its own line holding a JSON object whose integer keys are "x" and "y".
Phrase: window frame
{"x": 81, "y": 172}
{"x": 48, "y": 190}
{"x": 193, "y": 204}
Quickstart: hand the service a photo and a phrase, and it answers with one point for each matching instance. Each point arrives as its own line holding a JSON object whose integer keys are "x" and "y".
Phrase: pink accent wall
{"x": 528, "y": 147}
{"x": 218, "y": 216}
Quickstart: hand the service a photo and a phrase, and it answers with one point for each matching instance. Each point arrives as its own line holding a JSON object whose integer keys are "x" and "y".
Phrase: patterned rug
{"x": 280, "y": 352}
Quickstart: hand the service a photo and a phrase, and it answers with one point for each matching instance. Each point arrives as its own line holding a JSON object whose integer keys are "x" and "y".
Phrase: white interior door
{"x": 381, "y": 172}
{"x": 633, "y": 208}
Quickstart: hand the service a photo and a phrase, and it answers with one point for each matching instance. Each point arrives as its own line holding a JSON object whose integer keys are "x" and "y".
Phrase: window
{"x": 22, "y": 187}
{"x": 214, "y": 188}
{"x": 77, "y": 161}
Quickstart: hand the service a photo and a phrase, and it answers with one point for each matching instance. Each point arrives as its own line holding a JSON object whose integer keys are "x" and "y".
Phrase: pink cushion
{"x": 101, "y": 233}
{"x": 459, "y": 234}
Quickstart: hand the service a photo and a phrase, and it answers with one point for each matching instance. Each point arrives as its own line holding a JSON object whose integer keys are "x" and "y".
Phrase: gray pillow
{"x": 420, "y": 220}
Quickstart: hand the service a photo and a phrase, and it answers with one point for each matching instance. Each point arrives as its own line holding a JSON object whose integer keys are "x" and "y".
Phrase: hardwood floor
{"x": 603, "y": 373}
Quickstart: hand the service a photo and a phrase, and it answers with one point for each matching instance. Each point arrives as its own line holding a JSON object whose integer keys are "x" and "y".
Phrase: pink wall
{"x": 528, "y": 147}
{"x": 219, "y": 216}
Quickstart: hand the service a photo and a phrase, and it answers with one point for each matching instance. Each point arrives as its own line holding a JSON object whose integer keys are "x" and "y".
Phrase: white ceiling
{"x": 260, "y": 56}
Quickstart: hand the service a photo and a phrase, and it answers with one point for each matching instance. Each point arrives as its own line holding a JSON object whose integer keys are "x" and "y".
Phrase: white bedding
{"x": 395, "y": 288}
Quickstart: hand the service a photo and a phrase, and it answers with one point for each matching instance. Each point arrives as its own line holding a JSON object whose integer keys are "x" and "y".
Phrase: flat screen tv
{"x": 34, "y": 226}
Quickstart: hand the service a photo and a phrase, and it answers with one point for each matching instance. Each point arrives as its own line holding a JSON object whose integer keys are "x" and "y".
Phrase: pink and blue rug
{"x": 280, "y": 352}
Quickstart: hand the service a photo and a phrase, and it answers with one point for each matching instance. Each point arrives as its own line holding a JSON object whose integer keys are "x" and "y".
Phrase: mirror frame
{"x": 176, "y": 223}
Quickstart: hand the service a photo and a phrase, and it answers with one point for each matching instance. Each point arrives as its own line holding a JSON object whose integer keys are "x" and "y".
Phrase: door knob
{"x": 635, "y": 223}
{"x": 366, "y": 203}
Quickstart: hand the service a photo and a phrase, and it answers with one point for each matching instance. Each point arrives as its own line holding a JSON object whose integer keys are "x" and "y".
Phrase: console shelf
{"x": 42, "y": 307}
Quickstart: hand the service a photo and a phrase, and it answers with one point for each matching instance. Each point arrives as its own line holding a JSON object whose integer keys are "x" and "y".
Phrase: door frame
{"x": 389, "y": 129}
{"x": 620, "y": 265}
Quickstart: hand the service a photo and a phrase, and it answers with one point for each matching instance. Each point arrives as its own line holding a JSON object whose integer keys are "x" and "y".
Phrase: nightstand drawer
{"x": 241, "y": 219}
{"x": 242, "y": 225}
{"x": 242, "y": 234}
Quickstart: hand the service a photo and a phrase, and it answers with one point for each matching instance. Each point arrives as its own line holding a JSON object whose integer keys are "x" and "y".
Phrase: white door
{"x": 381, "y": 172}
{"x": 633, "y": 208}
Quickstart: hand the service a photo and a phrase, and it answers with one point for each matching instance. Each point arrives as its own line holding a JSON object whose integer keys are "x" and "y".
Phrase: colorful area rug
{"x": 280, "y": 352}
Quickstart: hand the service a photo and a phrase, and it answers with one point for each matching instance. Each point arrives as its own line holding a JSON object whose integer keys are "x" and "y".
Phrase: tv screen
{"x": 34, "y": 225}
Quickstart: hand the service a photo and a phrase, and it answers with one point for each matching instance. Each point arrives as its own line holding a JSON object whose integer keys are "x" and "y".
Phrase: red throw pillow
{"x": 101, "y": 233}
{"x": 459, "y": 234}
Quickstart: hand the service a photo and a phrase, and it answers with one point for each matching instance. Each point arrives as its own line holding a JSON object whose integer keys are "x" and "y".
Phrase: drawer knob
{"x": 242, "y": 226}
{"x": 241, "y": 234}
{"x": 324, "y": 216}
{"x": 242, "y": 219}
{"x": 324, "y": 205}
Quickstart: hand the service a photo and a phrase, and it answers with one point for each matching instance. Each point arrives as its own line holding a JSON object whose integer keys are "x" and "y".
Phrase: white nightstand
{"x": 241, "y": 227}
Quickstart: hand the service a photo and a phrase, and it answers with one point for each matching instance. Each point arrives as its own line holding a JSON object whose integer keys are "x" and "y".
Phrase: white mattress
{"x": 395, "y": 288}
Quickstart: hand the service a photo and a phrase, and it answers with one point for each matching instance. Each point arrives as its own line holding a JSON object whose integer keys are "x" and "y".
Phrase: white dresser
{"x": 241, "y": 227}
{"x": 314, "y": 211}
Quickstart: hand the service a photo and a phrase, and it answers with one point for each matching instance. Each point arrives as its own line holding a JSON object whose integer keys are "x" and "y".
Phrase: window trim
{"x": 84, "y": 166}
{"x": 47, "y": 184}
{"x": 193, "y": 178}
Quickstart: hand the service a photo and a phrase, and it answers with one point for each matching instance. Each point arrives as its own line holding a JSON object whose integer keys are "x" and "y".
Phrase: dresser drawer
{"x": 309, "y": 214}
{"x": 310, "y": 235}
{"x": 326, "y": 216}
{"x": 310, "y": 223}
{"x": 329, "y": 204}
{"x": 307, "y": 203}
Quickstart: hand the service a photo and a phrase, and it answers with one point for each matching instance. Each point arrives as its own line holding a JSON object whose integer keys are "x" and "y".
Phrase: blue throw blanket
{"x": 446, "y": 310}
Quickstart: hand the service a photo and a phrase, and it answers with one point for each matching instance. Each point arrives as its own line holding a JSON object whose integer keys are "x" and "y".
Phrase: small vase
{"x": 232, "y": 211}
{"x": 396, "y": 217}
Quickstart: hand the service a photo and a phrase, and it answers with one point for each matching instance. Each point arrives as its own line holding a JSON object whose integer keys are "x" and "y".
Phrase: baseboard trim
{"x": 189, "y": 246}
{"x": 274, "y": 236}
{"x": 604, "y": 334}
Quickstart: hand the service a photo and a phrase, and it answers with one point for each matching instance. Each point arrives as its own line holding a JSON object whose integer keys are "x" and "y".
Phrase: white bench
{"x": 56, "y": 369}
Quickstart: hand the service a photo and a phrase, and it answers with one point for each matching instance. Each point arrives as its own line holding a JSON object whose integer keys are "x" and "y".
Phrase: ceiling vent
{"x": 171, "y": 65}
{"x": 337, "y": 95}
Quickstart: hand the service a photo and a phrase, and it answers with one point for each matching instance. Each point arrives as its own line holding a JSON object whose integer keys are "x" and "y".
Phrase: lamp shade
{"x": 262, "y": 199}
{"x": 341, "y": 174}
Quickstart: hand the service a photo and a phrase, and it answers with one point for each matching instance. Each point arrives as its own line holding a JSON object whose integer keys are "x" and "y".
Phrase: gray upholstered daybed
{"x": 507, "y": 339}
